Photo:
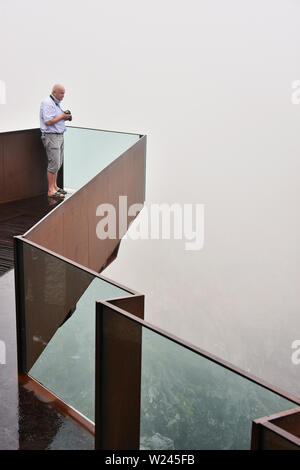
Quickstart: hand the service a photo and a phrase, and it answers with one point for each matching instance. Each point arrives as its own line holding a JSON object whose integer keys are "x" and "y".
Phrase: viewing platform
{"x": 83, "y": 369}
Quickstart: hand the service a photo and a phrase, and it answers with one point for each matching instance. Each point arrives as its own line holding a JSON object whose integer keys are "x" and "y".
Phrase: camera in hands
{"x": 68, "y": 112}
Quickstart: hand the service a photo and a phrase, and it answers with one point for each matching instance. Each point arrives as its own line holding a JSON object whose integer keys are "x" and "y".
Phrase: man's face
{"x": 59, "y": 94}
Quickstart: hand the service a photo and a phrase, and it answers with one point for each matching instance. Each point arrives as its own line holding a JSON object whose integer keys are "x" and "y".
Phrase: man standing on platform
{"x": 52, "y": 124}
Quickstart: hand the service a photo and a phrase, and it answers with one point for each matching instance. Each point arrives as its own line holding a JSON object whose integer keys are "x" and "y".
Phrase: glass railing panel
{"x": 191, "y": 402}
{"x": 60, "y": 325}
{"x": 89, "y": 151}
{"x": 173, "y": 396}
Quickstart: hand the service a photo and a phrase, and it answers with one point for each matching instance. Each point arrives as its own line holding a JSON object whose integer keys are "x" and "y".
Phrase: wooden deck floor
{"x": 15, "y": 219}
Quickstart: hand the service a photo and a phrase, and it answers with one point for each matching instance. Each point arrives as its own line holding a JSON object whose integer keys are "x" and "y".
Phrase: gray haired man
{"x": 52, "y": 124}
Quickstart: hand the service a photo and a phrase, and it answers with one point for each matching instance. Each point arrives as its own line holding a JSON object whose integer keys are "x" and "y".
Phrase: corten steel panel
{"x": 20, "y": 305}
{"x": 134, "y": 304}
{"x": 111, "y": 258}
{"x": 280, "y": 431}
{"x": 290, "y": 423}
{"x": 22, "y": 164}
{"x": 271, "y": 440}
{"x": 50, "y": 232}
{"x": 118, "y": 381}
{"x": 2, "y": 191}
{"x": 70, "y": 229}
{"x": 76, "y": 215}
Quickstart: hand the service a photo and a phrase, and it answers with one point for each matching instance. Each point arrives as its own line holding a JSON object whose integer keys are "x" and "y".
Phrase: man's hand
{"x": 67, "y": 116}
{"x": 63, "y": 116}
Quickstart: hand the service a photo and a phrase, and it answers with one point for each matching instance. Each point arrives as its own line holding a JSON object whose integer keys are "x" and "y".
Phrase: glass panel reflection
{"x": 190, "y": 402}
{"x": 60, "y": 326}
{"x": 88, "y": 151}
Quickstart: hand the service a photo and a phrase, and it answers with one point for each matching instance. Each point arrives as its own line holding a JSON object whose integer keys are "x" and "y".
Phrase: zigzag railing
{"x": 142, "y": 387}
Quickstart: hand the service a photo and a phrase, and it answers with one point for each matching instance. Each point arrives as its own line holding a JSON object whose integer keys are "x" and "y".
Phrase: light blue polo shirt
{"x": 48, "y": 110}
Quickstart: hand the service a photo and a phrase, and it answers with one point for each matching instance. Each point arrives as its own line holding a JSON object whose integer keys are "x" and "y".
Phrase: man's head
{"x": 58, "y": 91}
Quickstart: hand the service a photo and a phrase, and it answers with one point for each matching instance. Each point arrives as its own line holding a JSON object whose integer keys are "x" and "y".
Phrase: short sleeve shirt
{"x": 50, "y": 109}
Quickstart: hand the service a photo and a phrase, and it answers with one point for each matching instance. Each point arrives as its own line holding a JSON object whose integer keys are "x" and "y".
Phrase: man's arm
{"x": 64, "y": 116}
